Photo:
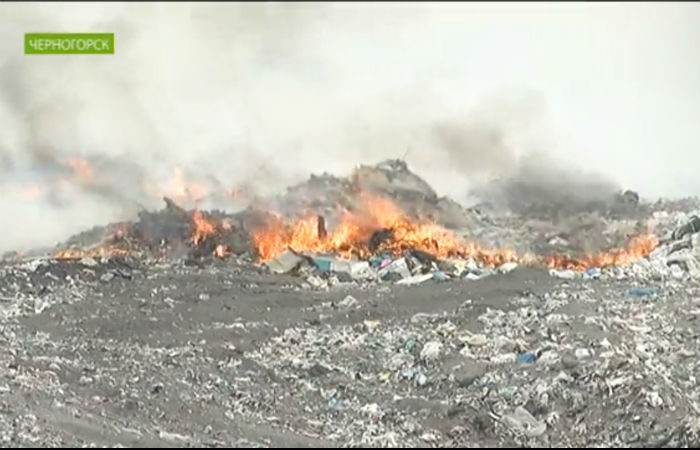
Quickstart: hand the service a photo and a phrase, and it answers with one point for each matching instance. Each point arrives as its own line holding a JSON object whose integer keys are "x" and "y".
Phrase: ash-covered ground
{"x": 191, "y": 349}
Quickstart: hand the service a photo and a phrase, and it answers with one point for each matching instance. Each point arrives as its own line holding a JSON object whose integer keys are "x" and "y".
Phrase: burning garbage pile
{"x": 391, "y": 243}
{"x": 172, "y": 232}
{"x": 525, "y": 360}
{"x": 381, "y": 223}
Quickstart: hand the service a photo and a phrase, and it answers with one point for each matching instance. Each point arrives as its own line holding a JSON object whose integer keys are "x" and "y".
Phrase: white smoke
{"x": 265, "y": 94}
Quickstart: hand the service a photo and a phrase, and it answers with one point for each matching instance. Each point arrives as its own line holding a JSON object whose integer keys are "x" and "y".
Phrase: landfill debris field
{"x": 359, "y": 311}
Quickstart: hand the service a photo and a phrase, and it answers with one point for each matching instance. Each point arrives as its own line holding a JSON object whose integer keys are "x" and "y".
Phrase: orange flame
{"x": 82, "y": 170}
{"x": 202, "y": 227}
{"x": 639, "y": 247}
{"x": 182, "y": 190}
{"x": 352, "y": 235}
{"x": 106, "y": 251}
{"x": 113, "y": 246}
{"x": 351, "y": 238}
{"x": 222, "y": 251}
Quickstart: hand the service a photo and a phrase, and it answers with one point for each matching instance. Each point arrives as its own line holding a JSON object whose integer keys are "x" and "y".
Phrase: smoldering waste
{"x": 385, "y": 223}
{"x": 359, "y": 311}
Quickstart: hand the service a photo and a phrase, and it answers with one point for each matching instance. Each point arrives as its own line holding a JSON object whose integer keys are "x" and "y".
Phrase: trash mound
{"x": 325, "y": 194}
{"x": 384, "y": 222}
{"x": 677, "y": 255}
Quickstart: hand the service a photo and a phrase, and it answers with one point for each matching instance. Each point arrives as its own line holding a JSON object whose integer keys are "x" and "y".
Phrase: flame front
{"x": 114, "y": 245}
{"x": 202, "y": 228}
{"x": 638, "y": 247}
{"x": 102, "y": 251}
{"x": 375, "y": 226}
{"x": 352, "y": 238}
{"x": 221, "y": 251}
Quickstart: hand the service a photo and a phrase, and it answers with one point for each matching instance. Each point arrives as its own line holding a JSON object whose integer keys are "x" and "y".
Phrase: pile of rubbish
{"x": 175, "y": 232}
{"x": 677, "y": 256}
{"x": 385, "y": 223}
{"x": 231, "y": 318}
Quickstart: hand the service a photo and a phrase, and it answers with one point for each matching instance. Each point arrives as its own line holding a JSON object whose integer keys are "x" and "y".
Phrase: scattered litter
{"x": 173, "y": 437}
{"x": 691, "y": 227}
{"x": 582, "y": 353}
{"x": 564, "y": 274}
{"x": 641, "y": 292}
{"x": 373, "y": 411}
{"x": 398, "y": 266}
{"x": 583, "y": 364}
{"x": 477, "y": 340}
{"x": 592, "y": 273}
{"x": 415, "y": 279}
{"x": 474, "y": 276}
{"x": 107, "y": 277}
{"x": 440, "y": 276}
{"x": 354, "y": 269}
{"x": 507, "y": 267}
{"x": 316, "y": 282}
{"x": 654, "y": 399}
{"x": 34, "y": 264}
{"x": 423, "y": 317}
{"x": 504, "y": 358}
{"x": 348, "y": 302}
{"x": 88, "y": 261}
{"x": 526, "y": 358}
{"x": 371, "y": 325}
{"x": 123, "y": 273}
{"x": 431, "y": 350}
{"x": 285, "y": 262}
{"x": 522, "y": 421}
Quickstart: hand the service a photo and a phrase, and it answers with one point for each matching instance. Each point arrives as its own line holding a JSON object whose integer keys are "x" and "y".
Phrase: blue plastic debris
{"x": 440, "y": 276}
{"x": 526, "y": 358}
{"x": 335, "y": 404}
{"x": 375, "y": 261}
{"x": 355, "y": 269}
{"x": 641, "y": 292}
{"x": 593, "y": 273}
{"x": 324, "y": 264}
{"x": 409, "y": 345}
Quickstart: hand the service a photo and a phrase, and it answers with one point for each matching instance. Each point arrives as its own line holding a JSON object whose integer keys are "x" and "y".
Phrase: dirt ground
{"x": 226, "y": 355}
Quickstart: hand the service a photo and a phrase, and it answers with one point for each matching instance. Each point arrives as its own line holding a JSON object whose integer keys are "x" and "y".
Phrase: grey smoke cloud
{"x": 261, "y": 95}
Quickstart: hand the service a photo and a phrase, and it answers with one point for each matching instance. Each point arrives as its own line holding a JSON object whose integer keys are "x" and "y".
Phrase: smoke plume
{"x": 254, "y": 97}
